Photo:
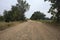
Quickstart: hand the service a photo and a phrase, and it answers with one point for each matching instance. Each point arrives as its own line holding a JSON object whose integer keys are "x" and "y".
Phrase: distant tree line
{"x": 16, "y": 13}
{"x": 38, "y": 16}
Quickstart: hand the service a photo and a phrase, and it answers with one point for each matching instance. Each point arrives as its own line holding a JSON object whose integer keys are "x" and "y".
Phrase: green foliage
{"x": 37, "y": 16}
{"x": 6, "y": 16}
{"x": 55, "y": 9}
{"x": 1, "y": 18}
{"x": 17, "y": 12}
{"x": 23, "y": 5}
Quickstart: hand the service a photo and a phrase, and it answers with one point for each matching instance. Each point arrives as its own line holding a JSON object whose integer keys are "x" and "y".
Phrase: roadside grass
{"x": 45, "y": 21}
{"x": 5, "y": 25}
{"x": 50, "y": 23}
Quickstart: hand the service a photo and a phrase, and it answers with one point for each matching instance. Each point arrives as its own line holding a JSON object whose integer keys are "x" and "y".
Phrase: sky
{"x": 35, "y": 5}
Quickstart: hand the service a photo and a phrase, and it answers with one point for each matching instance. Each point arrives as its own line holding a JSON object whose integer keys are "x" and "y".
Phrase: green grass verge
{"x": 44, "y": 21}
{"x": 50, "y": 22}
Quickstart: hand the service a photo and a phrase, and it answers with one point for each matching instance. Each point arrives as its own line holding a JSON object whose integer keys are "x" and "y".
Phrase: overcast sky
{"x": 35, "y": 5}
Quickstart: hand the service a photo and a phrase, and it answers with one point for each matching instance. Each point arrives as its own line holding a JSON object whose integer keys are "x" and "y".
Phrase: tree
{"x": 55, "y": 9}
{"x": 1, "y": 18}
{"x": 17, "y": 12}
{"x": 23, "y": 6}
{"x": 6, "y": 18}
{"x": 37, "y": 16}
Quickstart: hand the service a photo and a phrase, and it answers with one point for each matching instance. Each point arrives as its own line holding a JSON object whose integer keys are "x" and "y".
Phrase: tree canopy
{"x": 37, "y": 15}
{"x": 17, "y": 12}
{"x": 55, "y": 9}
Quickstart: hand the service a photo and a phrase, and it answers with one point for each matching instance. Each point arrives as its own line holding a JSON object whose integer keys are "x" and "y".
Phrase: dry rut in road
{"x": 30, "y": 30}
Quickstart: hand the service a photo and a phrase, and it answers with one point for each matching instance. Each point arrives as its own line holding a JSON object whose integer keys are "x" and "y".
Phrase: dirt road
{"x": 30, "y": 30}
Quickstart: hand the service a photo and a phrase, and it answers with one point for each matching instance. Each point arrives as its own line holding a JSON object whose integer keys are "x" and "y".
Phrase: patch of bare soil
{"x": 30, "y": 30}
